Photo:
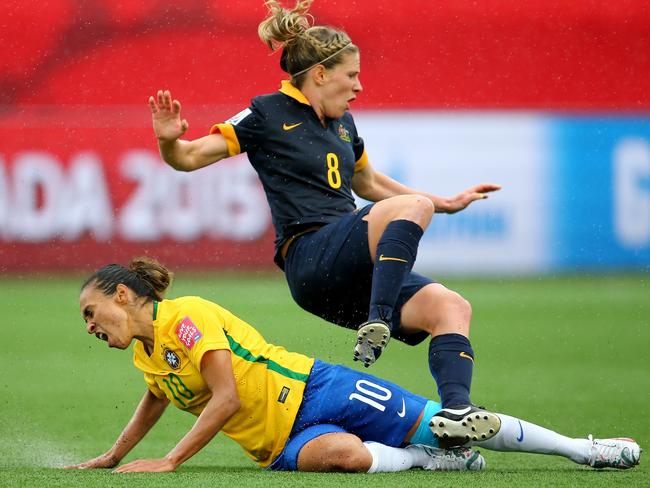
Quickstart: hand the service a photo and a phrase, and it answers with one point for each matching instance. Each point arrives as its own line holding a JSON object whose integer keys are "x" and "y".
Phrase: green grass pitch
{"x": 569, "y": 353}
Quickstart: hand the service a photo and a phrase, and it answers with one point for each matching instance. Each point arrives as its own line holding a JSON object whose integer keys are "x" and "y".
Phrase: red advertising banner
{"x": 81, "y": 182}
{"x": 86, "y": 186}
{"x": 490, "y": 54}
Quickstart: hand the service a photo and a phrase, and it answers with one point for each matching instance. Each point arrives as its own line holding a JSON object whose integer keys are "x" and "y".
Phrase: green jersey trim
{"x": 245, "y": 354}
{"x": 155, "y": 310}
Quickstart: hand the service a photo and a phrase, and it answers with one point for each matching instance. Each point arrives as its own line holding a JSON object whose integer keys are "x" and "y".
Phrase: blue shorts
{"x": 340, "y": 399}
{"x": 329, "y": 272}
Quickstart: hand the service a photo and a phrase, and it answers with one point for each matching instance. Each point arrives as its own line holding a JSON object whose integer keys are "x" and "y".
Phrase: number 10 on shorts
{"x": 371, "y": 394}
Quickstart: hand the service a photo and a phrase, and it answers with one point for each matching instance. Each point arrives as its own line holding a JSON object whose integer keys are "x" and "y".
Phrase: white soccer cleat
{"x": 458, "y": 459}
{"x": 464, "y": 423}
{"x": 372, "y": 338}
{"x": 619, "y": 453}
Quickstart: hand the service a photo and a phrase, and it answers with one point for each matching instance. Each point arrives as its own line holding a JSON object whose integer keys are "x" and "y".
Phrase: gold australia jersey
{"x": 270, "y": 380}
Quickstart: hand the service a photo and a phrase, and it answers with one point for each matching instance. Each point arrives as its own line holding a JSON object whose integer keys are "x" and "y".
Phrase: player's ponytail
{"x": 153, "y": 274}
{"x": 145, "y": 276}
{"x": 303, "y": 46}
{"x": 283, "y": 26}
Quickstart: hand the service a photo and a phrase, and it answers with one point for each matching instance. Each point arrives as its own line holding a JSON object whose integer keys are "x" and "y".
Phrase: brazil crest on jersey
{"x": 305, "y": 168}
{"x": 270, "y": 380}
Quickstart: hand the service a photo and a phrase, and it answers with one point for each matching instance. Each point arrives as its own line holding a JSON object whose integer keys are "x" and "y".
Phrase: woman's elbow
{"x": 363, "y": 191}
{"x": 184, "y": 166}
{"x": 233, "y": 404}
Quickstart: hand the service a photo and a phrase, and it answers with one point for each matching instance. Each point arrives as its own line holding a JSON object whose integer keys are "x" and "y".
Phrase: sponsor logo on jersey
{"x": 236, "y": 119}
{"x": 188, "y": 333}
{"x": 172, "y": 359}
{"x": 344, "y": 134}
{"x": 286, "y": 126}
{"x": 284, "y": 394}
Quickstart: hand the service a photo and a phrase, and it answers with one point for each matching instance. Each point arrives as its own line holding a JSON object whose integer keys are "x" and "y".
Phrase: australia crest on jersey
{"x": 344, "y": 134}
{"x": 172, "y": 359}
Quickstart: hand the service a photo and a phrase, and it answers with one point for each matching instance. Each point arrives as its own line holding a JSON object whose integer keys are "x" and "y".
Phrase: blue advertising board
{"x": 600, "y": 195}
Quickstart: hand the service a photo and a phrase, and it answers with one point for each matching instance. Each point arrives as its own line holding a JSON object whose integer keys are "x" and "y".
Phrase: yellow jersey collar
{"x": 291, "y": 91}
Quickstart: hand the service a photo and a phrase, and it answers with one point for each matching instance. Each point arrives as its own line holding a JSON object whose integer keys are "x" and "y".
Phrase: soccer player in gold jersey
{"x": 286, "y": 410}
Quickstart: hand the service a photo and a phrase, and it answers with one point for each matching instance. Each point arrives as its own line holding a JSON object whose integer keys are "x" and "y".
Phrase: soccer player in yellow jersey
{"x": 286, "y": 410}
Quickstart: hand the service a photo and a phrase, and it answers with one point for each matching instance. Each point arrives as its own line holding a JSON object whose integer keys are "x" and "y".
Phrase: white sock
{"x": 521, "y": 436}
{"x": 386, "y": 459}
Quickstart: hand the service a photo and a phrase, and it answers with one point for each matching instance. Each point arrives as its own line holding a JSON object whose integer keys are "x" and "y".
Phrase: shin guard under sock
{"x": 451, "y": 361}
{"x": 396, "y": 253}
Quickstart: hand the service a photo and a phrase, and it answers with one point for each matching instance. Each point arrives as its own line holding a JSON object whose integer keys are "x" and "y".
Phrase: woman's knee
{"x": 341, "y": 452}
{"x": 416, "y": 208}
{"x": 452, "y": 314}
{"x": 459, "y": 306}
{"x": 352, "y": 459}
{"x": 437, "y": 310}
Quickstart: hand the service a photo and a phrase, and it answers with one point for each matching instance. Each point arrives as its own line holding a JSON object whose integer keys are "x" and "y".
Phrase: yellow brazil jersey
{"x": 270, "y": 380}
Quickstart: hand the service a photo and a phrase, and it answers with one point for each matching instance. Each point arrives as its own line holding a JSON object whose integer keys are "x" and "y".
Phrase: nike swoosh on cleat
{"x": 458, "y": 412}
{"x": 386, "y": 258}
{"x": 520, "y": 438}
{"x": 286, "y": 126}
{"x": 403, "y": 411}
